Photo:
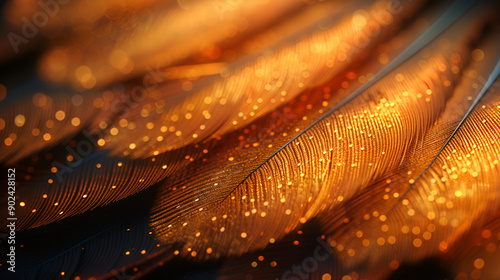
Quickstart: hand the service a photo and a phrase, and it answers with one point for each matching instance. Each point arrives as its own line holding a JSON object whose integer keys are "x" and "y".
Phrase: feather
{"x": 73, "y": 176}
{"x": 91, "y": 257}
{"x": 54, "y": 198}
{"x": 124, "y": 48}
{"x": 119, "y": 237}
{"x": 326, "y": 162}
{"x": 30, "y": 126}
{"x": 477, "y": 253}
{"x": 302, "y": 254}
{"x": 443, "y": 191}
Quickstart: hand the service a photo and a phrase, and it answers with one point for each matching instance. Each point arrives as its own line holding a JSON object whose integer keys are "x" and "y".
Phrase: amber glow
{"x": 233, "y": 139}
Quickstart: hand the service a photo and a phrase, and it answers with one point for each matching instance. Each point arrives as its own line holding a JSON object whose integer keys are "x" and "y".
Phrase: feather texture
{"x": 149, "y": 37}
{"x": 426, "y": 209}
{"x": 267, "y": 130}
{"x": 322, "y": 165}
{"x": 233, "y": 99}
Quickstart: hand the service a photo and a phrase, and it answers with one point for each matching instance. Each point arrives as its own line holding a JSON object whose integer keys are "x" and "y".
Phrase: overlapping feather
{"x": 276, "y": 165}
{"x": 325, "y": 164}
{"x": 233, "y": 99}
